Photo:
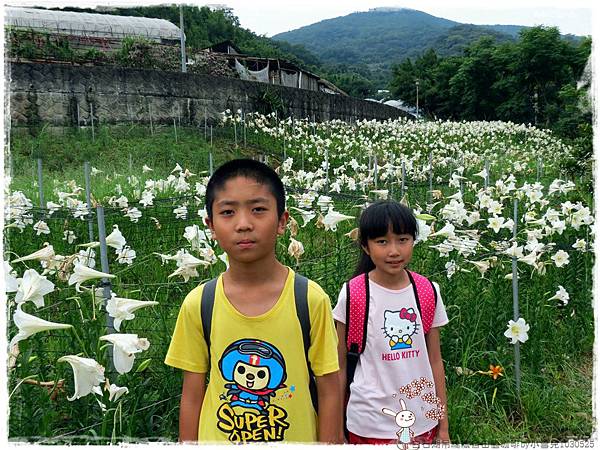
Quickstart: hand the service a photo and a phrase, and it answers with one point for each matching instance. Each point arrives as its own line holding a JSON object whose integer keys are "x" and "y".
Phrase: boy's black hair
{"x": 247, "y": 168}
{"x": 376, "y": 220}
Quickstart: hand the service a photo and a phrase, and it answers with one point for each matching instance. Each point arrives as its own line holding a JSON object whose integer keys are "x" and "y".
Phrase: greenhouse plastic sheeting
{"x": 88, "y": 24}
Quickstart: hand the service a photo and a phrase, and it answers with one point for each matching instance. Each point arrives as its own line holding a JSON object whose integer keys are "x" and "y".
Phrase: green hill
{"x": 385, "y": 36}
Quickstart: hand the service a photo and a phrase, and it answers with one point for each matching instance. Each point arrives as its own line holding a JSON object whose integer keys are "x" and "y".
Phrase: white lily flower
{"x": 115, "y": 239}
{"x": 196, "y": 237}
{"x": 147, "y": 198}
{"x": 133, "y": 214}
{"x": 126, "y": 255}
{"x": 33, "y": 287}
{"x": 41, "y": 227}
{"x": 295, "y": 249}
{"x": 29, "y": 325}
{"x": 146, "y": 169}
{"x": 88, "y": 375}
{"x": 332, "y": 218}
{"x": 514, "y": 251}
{"x": 125, "y": 346}
{"x": 381, "y": 194}
{"x": 517, "y": 331}
{"x": 324, "y": 202}
{"x": 181, "y": 212}
{"x": 580, "y": 245}
{"x": 531, "y": 259}
{"x": 177, "y": 168}
{"x": 122, "y": 309}
{"x": 495, "y": 223}
{"x": 46, "y": 253}
{"x": 11, "y": 282}
{"x": 69, "y": 236}
{"x": 483, "y": 174}
{"x": 561, "y": 295}
{"x": 223, "y": 257}
{"x": 115, "y": 392}
{"x": 95, "y": 171}
{"x": 481, "y": 266}
{"x": 446, "y": 231}
{"x": 560, "y": 258}
{"x": 83, "y": 273}
{"x": 423, "y": 231}
{"x": 307, "y": 216}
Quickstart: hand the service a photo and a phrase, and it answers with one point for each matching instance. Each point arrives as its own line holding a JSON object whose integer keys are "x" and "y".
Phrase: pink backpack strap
{"x": 357, "y": 312}
{"x": 426, "y": 298}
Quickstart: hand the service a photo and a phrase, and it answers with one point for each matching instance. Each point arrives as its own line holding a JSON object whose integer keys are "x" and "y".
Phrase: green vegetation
{"x": 533, "y": 80}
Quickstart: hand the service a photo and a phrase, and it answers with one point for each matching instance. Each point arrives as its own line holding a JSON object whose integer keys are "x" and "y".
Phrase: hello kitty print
{"x": 400, "y": 327}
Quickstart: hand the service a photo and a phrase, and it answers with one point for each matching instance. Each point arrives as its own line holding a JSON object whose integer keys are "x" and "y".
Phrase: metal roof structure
{"x": 89, "y": 24}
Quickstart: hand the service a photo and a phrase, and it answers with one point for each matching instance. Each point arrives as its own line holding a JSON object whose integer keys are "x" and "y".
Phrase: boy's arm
{"x": 192, "y": 396}
{"x": 439, "y": 377}
{"x": 330, "y": 409}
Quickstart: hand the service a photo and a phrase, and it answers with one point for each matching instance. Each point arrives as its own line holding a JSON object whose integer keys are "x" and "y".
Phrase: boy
{"x": 259, "y": 377}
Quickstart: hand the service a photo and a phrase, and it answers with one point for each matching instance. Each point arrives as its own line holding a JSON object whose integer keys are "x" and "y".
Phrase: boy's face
{"x": 244, "y": 220}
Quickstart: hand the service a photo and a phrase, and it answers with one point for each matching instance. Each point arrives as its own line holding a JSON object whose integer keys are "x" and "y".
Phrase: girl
{"x": 400, "y": 370}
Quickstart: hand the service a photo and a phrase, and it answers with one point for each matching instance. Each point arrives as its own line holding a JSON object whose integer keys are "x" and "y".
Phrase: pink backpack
{"x": 357, "y": 312}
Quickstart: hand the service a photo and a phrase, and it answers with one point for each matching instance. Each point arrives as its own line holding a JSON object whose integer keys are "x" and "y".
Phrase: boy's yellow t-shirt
{"x": 259, "y": 385}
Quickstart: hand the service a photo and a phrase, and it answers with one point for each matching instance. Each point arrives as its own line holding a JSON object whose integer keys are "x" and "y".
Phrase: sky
{"x": 270, "y": 17}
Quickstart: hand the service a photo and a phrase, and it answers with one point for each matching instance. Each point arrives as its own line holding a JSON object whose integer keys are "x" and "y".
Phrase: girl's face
{"x": 390, "y": 253}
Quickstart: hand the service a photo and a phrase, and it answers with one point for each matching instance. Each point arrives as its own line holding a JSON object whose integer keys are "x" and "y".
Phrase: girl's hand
{"x": 443, "y": 437}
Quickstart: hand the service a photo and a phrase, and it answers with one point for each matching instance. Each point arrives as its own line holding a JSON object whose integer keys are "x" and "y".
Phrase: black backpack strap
{"x": 301, "y": 299}
{"x": 206, "y": 310}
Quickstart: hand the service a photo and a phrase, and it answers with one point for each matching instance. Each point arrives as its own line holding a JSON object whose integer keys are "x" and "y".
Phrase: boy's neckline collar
{"x": 288, "y": 285}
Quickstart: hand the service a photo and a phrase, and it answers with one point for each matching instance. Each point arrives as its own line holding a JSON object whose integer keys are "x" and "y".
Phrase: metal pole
{"x": 78, "y": 116}
{"x": 175, "y": 129}
{"x": 403, "y": 179}
{"x": 430, "y": 177}
{"x": 244, "y": 125}
{"x": 130, "y": 164}
{"x": 417, "y": 83}
{"x": 88, "y": 198}
{"x": 235, "y": 132}
{"x": 205, "y": 123}
{"x": 211, "y": 136}
{"x": 515, "y": 286}
{"x": 92, "y": 117}
{"x": 375, "y": 170}
{"x": 150, "y": 114}
{"x": 183, "y": 65}
{"x": 327, "y": 168}
{"x": 40, "y": 183}
{"x": 210, "y": 163}
{"x": 105, "y": 281}
{"x": 487, "y": 173}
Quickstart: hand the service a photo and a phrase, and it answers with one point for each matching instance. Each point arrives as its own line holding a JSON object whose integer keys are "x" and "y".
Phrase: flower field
{"x": 496, "y": 213}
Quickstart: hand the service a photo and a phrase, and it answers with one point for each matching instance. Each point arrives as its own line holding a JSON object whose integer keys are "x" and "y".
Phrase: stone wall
{"x": 61, "y": 95}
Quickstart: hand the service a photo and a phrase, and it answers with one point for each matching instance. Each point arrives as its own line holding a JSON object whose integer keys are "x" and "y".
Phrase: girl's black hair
{"x": 376, "y": 220}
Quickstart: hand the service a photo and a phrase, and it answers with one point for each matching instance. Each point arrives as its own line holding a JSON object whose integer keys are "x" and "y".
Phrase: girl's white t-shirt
{"x": 394, "y": 366}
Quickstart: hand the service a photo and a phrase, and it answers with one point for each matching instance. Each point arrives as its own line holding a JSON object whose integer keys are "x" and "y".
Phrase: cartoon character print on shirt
{"x": 255, "y": 370}
{"x": 399, "y": 327}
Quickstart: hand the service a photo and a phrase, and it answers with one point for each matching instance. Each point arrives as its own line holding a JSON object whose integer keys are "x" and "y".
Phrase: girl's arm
{"x": 439, "y": 377}
{"x": 341, "y": 332}
{"x": 192, "y": 395}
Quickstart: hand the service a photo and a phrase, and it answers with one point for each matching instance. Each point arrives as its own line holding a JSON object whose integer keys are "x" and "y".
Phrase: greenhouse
{"x": 90, "y": 25}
